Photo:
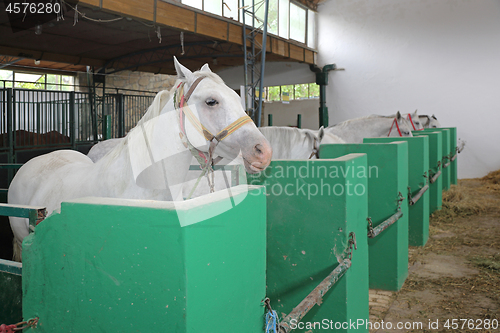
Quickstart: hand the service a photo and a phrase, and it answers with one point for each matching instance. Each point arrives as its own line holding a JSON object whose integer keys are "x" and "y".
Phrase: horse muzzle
{"x": 259, "y": 159}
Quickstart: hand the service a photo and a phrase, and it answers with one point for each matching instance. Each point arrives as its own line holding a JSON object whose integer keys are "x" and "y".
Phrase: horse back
{"x": 44, "y": 175}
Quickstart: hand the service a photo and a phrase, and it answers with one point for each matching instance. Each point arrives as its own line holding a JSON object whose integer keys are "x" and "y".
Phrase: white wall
{"x": 440, "y": 57}
{"x": 286, "y": 114}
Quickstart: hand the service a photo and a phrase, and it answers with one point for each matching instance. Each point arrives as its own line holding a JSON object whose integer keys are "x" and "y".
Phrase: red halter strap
{"x": 412, "y": 124}
{"x": 395, "y": 121}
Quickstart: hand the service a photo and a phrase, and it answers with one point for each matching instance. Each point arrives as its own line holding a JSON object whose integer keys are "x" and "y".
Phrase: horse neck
{"x": 356, "y": 129}
{"x": 288, "y": 143}
{"x": 155, "y": 138}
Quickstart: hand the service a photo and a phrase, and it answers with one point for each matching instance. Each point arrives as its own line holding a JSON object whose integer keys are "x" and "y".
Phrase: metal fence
{"x": 31, "y": 119}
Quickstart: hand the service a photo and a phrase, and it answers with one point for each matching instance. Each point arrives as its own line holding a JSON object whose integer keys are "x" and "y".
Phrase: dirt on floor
{"x": 454, "y": 281}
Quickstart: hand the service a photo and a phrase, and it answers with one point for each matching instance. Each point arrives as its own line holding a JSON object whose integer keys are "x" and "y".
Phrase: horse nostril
{"x": 258, "y": 149}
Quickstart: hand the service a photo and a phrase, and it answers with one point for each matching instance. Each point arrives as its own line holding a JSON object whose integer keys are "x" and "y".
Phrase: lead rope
{"x": 272, "y": 320}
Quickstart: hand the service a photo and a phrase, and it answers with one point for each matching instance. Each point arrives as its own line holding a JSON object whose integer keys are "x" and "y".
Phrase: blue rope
{"x": 271, "y": 320}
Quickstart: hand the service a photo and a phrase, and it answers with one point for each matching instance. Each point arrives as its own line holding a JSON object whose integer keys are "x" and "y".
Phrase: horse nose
{"x": 262, "y": 153}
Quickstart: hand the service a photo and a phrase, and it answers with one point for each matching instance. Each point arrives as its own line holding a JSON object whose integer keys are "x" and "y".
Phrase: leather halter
{"x": 395, "y": 121}
{"x": 409, "y": 117}
{"x": 206, "y": 162}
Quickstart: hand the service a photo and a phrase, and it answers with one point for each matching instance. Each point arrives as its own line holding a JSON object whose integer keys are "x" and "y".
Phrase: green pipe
{"x": 322, "y": 81}
{"x": 269, "y": 120}
{"x": 299, "y": 120}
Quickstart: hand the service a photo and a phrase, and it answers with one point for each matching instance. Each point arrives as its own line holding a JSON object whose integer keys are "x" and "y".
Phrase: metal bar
{"x": 446, "y": 164}
{"x": 314, "y": 297}
{"x": 435, "y": 177}
{"x": 120, "y": 111}
{"x": 216, "y": 167}
{"x": 11, "y": 267}
{"x": 33, "y": 213}
{"x": 10, "y": 132}
{"x": 413, "y": 199}
{"x": 384, "y": 225}
{"x": 106, "y": 131}
{"x": 454, "y": 157}
{"x": 10, "y": 165}
{"x": 72, "y": 120}
{"x": 262, "y": 63}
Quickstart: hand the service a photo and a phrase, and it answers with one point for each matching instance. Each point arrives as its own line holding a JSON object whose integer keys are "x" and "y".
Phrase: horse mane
{"x": 349, "y": 121}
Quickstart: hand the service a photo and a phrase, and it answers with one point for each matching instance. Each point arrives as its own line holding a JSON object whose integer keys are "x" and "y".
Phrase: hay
{"x": 492, "y": 177}
{"x": 461, "y": 201}
{"x": 492, "y": 262}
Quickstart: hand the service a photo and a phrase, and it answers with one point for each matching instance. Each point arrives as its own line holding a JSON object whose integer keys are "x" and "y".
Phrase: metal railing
{"x": 31, "y": 119}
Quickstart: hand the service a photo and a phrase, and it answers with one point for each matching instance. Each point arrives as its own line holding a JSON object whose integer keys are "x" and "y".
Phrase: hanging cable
{"x": 182, "y": 42}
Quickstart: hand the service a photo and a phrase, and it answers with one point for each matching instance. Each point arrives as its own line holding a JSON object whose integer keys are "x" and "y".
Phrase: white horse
{"x": 286, "y": 143}
{"x": 414, "y": 120}
{"x": 152, "y": 161}
{"x": 429, "y": 121}
{"x": 291, "y": 143}
{"x": 355, "y": 130}
{"x": 102, "y": 148}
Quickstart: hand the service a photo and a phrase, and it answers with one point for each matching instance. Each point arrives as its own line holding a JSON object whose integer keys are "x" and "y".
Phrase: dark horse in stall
{"x": 25, "y": 139}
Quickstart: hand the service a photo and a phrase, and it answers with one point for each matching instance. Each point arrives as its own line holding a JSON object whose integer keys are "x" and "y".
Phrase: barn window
{"x": 297, "y": 23}
{"x": 284, "y": 17}
{"x": 291, "y": 92}
{"x": 230, "y": 9}
{"x": 23, "y": 80}
{"x": 213, "y": 6}
{"x": 311, "y": 29}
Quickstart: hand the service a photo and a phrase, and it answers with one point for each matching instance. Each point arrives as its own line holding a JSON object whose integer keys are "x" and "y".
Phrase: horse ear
{"x": 205, "y": 68}
{"x": 398, "y": 116}
{"x": 415, "y": 114}
{"x": 321, "y": 133}
{"x": 433, "y": 116}
{"x": 182, "y": 72}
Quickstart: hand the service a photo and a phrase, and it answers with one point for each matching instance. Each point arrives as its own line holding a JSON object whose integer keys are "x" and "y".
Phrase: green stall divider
{"x": 117, "y": 265}
{"x": 10, "y": 298}
{"x": 450, "y": 152}
{"x": 435, "y": 157}
{"x": 387, "y": 179}
{"x": 446, "y": 151}
{"x": 313, "y": 206}
{"x": 418, "y": 169}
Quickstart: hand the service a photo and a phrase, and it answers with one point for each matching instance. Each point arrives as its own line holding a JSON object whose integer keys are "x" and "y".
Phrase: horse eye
{"x": 211, "y": 102}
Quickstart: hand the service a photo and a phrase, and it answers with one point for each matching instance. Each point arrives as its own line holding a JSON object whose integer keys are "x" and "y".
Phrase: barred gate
{"x": 40, "y": 119}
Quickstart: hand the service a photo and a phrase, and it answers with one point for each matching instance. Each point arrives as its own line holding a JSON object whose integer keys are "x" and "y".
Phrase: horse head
{"x": 417, "y": 124}
{"x": 403, "y": 126}
{"x": 222, "y": 118}
{"x": 433, "y": 122}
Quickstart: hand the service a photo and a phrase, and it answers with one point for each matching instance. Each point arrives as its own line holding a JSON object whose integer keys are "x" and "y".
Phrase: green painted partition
{"x": 313, "y": 205}
{"x": 10, "y": 298}
{"x": 453, "y": 153}
{"x": 435, "y": 156}
{"x": 446, "y": 151}
{"x": 110, "y": 265}
{"x": 418, "y": 168}
{"x": 387, "y": 179}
